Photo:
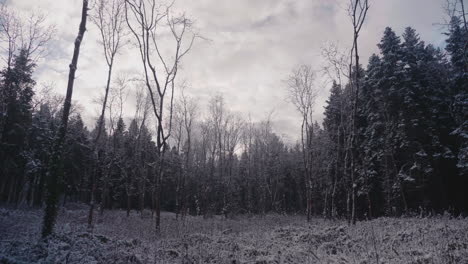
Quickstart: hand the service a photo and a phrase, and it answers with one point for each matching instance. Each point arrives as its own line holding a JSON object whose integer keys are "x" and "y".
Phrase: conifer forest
{"x": 148, "y": 131}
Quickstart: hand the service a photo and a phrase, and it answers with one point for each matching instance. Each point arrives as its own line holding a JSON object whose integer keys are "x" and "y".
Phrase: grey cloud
{"x": 254, "y": 45}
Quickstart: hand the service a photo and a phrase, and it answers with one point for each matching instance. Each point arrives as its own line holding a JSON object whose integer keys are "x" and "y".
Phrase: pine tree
{"x": 76, "y": 158}
{"x": 422, "y": 121}
{"x": 16, "y": 116}
{"x": 373, "y": 135}
{"x": 458, "y": 49}
{"x": 40, "y": 139}
{"x": 334, "y": 126}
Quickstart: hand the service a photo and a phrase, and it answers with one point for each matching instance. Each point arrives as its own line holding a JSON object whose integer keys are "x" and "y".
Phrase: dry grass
{"x": 270, "y": 239}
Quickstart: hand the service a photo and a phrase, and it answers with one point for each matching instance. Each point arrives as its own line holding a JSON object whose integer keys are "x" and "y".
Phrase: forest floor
{"x": 270, "y": 239}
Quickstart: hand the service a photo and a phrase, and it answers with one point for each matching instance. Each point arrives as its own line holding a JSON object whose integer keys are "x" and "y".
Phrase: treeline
{"x": 411, "y": 142}
{"x": 410, "y": 152}
{"x": 220, "y": 164}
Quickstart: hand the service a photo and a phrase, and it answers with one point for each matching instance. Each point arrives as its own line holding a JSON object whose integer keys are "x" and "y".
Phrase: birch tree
{"x": 302, "y": 94}
{"x": 336, "y": 70}
{"x": 147, "y": 19}
{"x": 357, "y": 10}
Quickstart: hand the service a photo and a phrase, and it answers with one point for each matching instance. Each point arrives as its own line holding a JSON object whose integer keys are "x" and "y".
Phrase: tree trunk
{"x": 141, "y": 195}
{"x": 158, "y": 189}
{"x": 333, "y": 194}
{"x": 128, "y": 204}
{"x": 92, "y": 203}
{"x": 463, "y": 14}
{"x": 53, "y": 185}
{"x": 325, "y": 211}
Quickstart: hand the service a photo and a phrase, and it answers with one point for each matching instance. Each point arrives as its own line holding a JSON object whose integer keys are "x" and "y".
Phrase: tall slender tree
{"x": 145, "y": 18}
{"x": 110, "y": 20}
{"x": 53, "y": 182}
{"x": 302, "y": 94}
{"x": 358, "y": 12}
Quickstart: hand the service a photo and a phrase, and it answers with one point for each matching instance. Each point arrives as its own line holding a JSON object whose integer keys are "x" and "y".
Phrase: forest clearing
{"x": 269, "y": 239}
{"x": 220, "y": 131}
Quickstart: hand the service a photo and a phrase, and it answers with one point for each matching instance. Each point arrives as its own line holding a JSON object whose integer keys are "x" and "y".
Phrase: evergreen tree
{"x": 16, "y": 114}
{"x": 457, "y": 48}
{"x": 40, "y": 140}
{"x": 373, "y": 139}
{"x": 334, "y": 126}
{"x": 77, "y": 157}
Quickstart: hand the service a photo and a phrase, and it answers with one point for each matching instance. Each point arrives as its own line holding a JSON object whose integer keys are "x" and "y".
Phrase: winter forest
{"x": 378, "y": 173}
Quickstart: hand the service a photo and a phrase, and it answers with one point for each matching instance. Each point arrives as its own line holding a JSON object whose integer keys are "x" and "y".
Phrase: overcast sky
{"x": 254, "y": 45}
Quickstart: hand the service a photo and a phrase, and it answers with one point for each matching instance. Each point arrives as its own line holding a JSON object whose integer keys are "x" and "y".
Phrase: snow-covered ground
{"x": 270, "y": 239}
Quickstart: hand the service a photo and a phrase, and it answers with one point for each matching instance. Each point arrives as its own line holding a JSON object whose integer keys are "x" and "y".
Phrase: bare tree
{"x": 185, "y": 112}
{"x": 10, "y": 33}
{"x": 54, "y": 168}
{"x": 109, "y": 19}
{"x": 452, "y": 9}
{"x": 336, "y": 63}
{"x": 117, "y": 98}
{"x": 139, "y": 165}
{"x": 178, "y": 135}
{"x": 17, "y": 33}
{"x": 217, "y": 112}
{"x": 29, "y": 33}
{"x": 146, "y": 18}
{"x": 463, "y": 14}
{"x": 263, "y": 135}
{"x": 247, "y": 142}
{"x": 357, "y": 10}
{"x": 214, "y": 133}
{"x": 232, "y": 136}
{"x": 207, "y": 158}
{"x": 232, "y": 132}
{"x": 336, "y": 69}
{"x": 302, "y": 94}
{"x": 43, "y": 95}
{"x": 189, "y": 110}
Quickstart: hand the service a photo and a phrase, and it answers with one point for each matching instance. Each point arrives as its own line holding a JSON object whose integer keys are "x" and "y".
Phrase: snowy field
{"x": 271, "y": 239}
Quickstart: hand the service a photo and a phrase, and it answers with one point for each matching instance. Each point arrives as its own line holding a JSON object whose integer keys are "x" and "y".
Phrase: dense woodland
{"x": 398, "y": 145}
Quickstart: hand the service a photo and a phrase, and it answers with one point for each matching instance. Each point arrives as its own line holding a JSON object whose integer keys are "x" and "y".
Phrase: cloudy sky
{"x": 252, "y": 46}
